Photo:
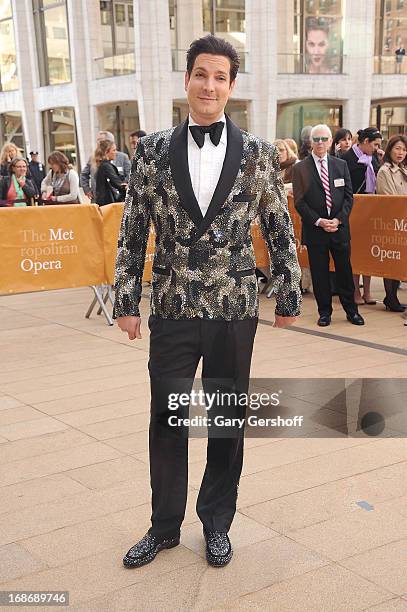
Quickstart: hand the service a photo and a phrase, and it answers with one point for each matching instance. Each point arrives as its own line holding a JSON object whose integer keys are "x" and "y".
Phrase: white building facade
{"x": 71, "y": 67}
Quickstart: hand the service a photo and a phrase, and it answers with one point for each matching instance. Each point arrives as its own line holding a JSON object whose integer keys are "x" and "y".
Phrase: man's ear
{"x": 232, "y": 86}
{"x": 186, "y": 80}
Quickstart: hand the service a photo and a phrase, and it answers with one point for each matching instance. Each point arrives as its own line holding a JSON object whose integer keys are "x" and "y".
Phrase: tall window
{"x": 391, "y": 37}
{"x": 8, "y": 64}
{"x": 172, "y": 7}
{"x": 390, "y": 117}
{"x": 117, "y": 23}
{"x": 227, "y": 19}
{"x": 121, "y": 119}
{"x": 310, "y": 36}
{"x": 11, "y": 129}
{"x": 60, "y": 133}
{"x": 293, "y": 116}
{"x": 51, "y": 29}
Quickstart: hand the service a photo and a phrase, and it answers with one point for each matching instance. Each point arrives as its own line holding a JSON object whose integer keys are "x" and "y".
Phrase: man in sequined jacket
{"x": 201, "y": 184}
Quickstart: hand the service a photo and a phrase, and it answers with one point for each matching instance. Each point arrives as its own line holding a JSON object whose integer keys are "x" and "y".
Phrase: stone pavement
{"x": 321, "y": 522}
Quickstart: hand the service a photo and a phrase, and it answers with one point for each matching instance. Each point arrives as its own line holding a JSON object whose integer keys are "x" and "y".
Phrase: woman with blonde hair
{"x": 17, "y": 189}
{"x": 8, "y": 152}
{"x": 287, "y": 160}
{"x": 109, "y": 186}
{"x": 61, "y": 185}
{"x": 293, "y": 145}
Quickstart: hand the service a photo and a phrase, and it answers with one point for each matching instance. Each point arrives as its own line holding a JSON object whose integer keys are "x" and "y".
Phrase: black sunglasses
{"x": 320, "y": 139}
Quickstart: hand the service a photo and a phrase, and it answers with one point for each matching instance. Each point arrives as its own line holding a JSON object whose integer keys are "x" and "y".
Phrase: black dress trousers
{"x": 176, "y": 348}
{"x": 318, "y": 256}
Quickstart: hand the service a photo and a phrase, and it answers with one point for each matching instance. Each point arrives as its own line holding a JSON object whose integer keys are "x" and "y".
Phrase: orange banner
{"x": 379, "y": 236}
{"x": 296, "y": 221}
{"x": 55, "y": 247}
{"x": 378, "y": 226}
{"x": 260, "y": 248}
{"x": 112, "y": 217}
{"x": 50, "y": 247}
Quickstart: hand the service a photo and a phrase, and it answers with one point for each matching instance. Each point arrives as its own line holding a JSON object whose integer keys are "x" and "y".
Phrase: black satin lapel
{"x": 230, "y": 168}
{"x": 180, "y": 172}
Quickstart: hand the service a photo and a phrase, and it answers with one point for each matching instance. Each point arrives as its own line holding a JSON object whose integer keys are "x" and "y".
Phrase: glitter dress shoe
{"x": 324, "y": 320}
{"x": 218, "y": 548}
{"x": 355, "y": 319}
{"x": 147, "y": 549}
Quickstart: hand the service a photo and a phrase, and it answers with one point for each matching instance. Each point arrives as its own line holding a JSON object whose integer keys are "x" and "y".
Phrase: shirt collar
{"x": 223, "y": 138}
{"x": 316, "y": 159}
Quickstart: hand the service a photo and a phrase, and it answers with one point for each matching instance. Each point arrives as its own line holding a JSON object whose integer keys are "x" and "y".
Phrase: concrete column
{"x": 94, "y": 49}
{"x": 189, "y": 22}
{"x": 261, "y": 19}
{"x": 79, "y": 24}
{"x": 27, "y": 68}
{"x": 153, "y": 64}
{"x": 359, "y": 49}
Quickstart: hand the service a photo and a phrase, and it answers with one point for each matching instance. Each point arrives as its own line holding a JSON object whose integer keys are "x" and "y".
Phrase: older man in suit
{"x": 202, "y": 184}
{"x": 323, "y": 197}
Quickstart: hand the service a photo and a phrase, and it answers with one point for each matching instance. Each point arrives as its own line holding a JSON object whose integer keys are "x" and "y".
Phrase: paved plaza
{"x": 321, "y": 522}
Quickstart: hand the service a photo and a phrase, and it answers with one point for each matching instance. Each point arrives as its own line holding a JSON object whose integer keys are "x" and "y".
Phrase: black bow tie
{"x": 214, "y": 130}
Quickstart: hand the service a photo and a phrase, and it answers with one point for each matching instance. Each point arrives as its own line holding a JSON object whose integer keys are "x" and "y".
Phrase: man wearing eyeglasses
{"x": 323, "y": 197}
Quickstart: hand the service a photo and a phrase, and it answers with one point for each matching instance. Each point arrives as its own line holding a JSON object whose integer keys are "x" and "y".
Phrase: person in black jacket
{"x": 16, "y": 188}
{"x": 109, "y": 186}
{"x": 323, "y": 198}
{"x": 363, "y": 164}
{"x": 341, "y": 142}
{"x": 37, "y": 170}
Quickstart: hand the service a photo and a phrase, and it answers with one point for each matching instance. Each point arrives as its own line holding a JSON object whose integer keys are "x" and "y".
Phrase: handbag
{"x": 116, "y": 195}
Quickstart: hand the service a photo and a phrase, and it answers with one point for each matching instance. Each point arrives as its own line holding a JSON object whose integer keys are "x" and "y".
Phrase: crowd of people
{"x": 105, "y": 176}
{"x": 102, "y": 180}
{"x": 371, "y": 170}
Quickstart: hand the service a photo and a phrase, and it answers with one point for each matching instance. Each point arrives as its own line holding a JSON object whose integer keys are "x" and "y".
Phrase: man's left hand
{"x": 283, "y": 322}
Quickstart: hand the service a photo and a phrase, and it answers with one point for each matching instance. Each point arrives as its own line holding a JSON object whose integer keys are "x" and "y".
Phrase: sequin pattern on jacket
{"x": 205, "y": 266}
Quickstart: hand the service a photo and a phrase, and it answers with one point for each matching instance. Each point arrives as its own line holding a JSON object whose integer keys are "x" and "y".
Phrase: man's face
{"x": 34, "y": 157}
{"x": 133, "y": 142}
{"x": 209, "y": 87}
{"x": 316, "y": 46}
{"x": 320, "y": 147}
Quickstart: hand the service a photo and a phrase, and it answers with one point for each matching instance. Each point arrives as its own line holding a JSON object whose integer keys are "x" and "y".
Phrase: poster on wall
{"x": 322, "y": 37}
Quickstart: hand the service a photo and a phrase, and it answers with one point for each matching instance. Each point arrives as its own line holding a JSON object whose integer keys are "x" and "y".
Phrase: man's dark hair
{"x": 214, "y": 46}
{"x": 392, "y": 143}
{"x": 139, "y": 133}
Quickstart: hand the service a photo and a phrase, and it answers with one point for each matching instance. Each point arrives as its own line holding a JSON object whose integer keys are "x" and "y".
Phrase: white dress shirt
{"x": 205, "y": 165}
{"x": 318, "y": 165}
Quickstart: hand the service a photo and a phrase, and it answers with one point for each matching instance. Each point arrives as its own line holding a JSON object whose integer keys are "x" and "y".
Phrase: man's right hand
{"x": 131, "y": 325}
{"x": 329, "y": 225}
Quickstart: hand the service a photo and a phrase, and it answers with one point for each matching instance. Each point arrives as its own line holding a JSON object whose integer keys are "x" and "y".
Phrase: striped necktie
{"x": 325, "y": 183}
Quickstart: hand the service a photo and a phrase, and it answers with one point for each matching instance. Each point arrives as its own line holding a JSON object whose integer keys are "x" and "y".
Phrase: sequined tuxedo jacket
{"x": 205, "y": 266}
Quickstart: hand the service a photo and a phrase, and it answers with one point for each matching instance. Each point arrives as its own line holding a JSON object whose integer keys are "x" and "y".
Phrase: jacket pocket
{"x": 244, "y": 197}
{"x": 163, "y": 271}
